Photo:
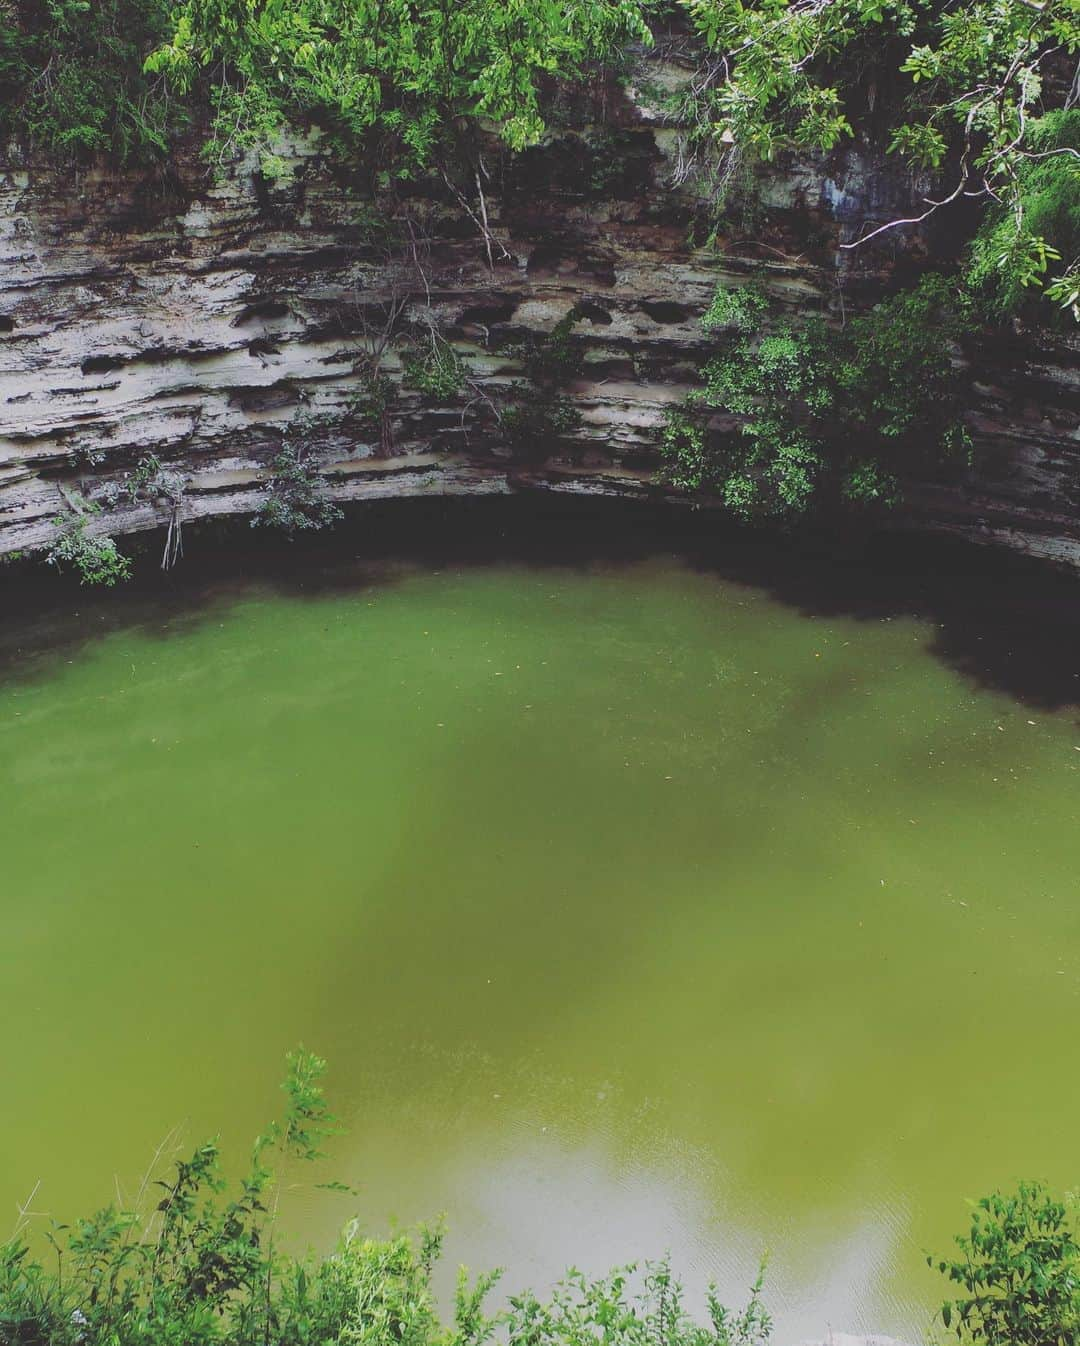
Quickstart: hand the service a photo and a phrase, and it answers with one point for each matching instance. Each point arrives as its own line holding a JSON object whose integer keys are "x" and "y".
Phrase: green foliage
{"x": 540, "y": 414}
{"x": 151, "y": 481}
{"x": 772, "y": 96}
{"x": 72, "y": 80}
{"x": 294, "y": 502}
{"x": 308, "y": 1120}
{"x": 689, "y": 463}
{"x": 1018, "y": 243}
{"x": 550, "y": 357}
{"x": 867, "y": 482}
{"x": 741, "y": 310}
{"x": 537, "y": 419}
{"x": 390, "y": 74}
{"x": 583, "y": 1312}
{"x": 147, "y": 480}
{"x": 436, "y": 370}
{"x": 144, "y": 478}
{"x": 370, "y": 406}
{"x": 202, "y": 1268}
{"x": 94, "y": 558}
{"x": 397, "y": 79}
{"x": 374, "y": 396}
{"x": 979, "y": 93}
{"x": 197, "y": 1270}
{"x": 819, "y": 417}
{"x": 1018, "y": 1273}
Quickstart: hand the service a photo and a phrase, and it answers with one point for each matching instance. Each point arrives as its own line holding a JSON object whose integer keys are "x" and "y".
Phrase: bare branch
{"x": 915, "y": 219}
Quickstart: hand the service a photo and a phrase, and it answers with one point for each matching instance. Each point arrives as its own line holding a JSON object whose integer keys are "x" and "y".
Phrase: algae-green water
{"x": 635, "y": 910}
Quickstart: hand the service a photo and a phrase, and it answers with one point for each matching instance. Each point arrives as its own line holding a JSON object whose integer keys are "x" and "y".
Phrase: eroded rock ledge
{"x": 196, "y": 321}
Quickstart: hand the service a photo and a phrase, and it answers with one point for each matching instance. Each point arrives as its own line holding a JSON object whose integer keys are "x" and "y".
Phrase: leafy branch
{"x": 981, "y": 79}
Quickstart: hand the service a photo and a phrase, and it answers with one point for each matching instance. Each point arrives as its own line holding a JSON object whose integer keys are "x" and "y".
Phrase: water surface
{"x": 635, "y": 909}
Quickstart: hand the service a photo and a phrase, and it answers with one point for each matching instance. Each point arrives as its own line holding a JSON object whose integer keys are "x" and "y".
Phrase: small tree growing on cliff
{"x": 95, "y": 558}
{"x": 819, "y": 417}
{"x": 540, "y": 414}
{"x": 149, "y": 481}
{"x": 295, "y": 502}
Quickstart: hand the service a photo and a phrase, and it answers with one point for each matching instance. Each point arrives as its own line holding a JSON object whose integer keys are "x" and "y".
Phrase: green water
{"x": 634, "y": 910}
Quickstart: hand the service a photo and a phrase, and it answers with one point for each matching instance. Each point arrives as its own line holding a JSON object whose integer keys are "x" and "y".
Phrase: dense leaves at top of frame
{"x": 981, "y": 101}
{"x": 400, "y": 72}
{"x": 978, "y": 89}
{"x": 78, "y": 76}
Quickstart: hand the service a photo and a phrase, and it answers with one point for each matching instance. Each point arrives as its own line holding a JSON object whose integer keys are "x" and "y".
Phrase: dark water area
{"x": 1006, "y": 622}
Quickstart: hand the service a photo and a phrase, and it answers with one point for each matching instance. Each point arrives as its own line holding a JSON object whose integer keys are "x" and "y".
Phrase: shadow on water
{"x": 1004, "y": 622}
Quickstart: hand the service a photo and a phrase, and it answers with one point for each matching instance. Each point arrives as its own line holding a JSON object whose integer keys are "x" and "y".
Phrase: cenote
{"x": 641, "y": 899}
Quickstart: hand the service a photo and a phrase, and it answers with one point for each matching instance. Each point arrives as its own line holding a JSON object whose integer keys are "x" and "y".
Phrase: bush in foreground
{"x": 1018, "y": 1274}
{"x": 201, "y": 1269}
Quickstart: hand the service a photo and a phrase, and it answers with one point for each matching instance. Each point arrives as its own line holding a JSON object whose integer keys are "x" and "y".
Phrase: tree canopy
{"x": 391, "y": 69}
{"x": 982, "y": 92}
{"x": 72, "y": 79}
{"x": 978, "y": 97}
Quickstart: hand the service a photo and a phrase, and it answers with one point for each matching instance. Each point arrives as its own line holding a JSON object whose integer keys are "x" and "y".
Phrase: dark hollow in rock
{"x": 7, "y": 324}
{"x": 102, "y": 364}
{"x": 262, "y": 311}
{"x": 665, "y": 312}
{"x": 264, "y": 399}
{"x": 553, "y": 259}
{"x": 593, "y": 313}
{"x": 487, "y": 315}
{"x": 620, "y": 368}
{"x": 610, "y": 162}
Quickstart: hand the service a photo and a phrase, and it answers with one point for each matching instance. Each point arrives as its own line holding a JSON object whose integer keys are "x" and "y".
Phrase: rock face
{"x": 201, "y": 321}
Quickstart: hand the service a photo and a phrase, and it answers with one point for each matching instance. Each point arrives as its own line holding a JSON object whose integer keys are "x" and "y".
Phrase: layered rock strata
{"x": 202, "y": 321}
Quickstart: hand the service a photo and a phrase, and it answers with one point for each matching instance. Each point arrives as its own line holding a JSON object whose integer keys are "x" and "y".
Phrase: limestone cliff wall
{"x": 197, "y": 319}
